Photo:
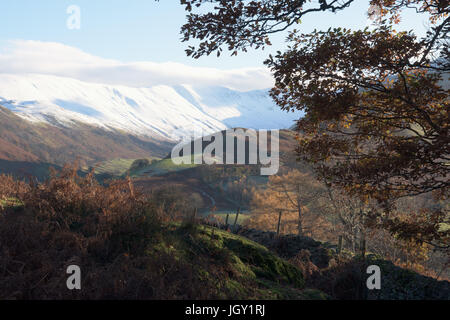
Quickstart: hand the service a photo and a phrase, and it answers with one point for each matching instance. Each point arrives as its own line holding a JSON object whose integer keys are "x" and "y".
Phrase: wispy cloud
{"x": 25, "y": 56}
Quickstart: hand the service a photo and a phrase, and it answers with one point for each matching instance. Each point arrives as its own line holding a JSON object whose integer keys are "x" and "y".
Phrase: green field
{"x": 115, "y": 167}
{"x": 222, "y": 215}
{"x": 163, "y": 166}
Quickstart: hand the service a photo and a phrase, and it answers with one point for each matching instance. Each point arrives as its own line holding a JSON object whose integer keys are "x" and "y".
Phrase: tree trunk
{"x": 339, "y": 249}
{"x": 355, "y": 242}
{"x": 300, "y": 218}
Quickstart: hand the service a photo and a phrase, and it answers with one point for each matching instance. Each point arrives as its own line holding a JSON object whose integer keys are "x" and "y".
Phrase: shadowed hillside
{"x": 130, "y": 247}
{"x": 21, "y": 140}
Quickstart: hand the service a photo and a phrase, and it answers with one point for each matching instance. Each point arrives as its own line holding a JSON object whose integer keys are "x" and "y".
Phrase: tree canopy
{"x": 376, "y": 100}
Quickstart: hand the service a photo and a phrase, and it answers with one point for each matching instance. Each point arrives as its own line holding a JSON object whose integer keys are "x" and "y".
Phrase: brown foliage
{"x": 303, "y": 261}
{"x": 331, "y": 213}
{"x": 298, "y": 196}
{"x": 69, "y": 220}
{"x": 376, "y": 120}
{"x": 107, "y": 230}
{"x": 11, "y": 188}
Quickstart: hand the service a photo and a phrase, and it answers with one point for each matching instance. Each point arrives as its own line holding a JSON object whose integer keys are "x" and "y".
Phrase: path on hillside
{"x": 213, "y": 201}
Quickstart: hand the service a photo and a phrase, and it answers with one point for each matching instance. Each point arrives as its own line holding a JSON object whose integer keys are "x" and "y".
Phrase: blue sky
{"x": 141, "y": 30}
{"x": 137, "y": 43}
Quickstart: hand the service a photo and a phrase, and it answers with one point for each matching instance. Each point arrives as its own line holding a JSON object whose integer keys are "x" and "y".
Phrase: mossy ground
{"x": 10, "y": 202}
{"x": 210, "y": 262}
{"x": 237, "y": 267}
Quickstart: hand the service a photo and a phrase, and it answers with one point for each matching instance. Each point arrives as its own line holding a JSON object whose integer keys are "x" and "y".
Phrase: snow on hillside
{"x": 164, "y": 111}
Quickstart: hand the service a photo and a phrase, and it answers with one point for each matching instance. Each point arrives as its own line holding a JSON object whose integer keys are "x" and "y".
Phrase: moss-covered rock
{"x": 402, "y": 284}
{"x": 232, "y": 266}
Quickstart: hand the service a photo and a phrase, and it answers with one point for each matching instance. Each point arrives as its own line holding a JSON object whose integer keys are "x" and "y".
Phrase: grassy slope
{"x": 10, "y": 202}
{"x": 287, "y": 144}
{"x": 115, "y": 167}
{"x": 162, "y": 167}
{"x": 232, "y": 216}
{"x": 25, "y": 141}
{"x": 342, "y": 279}
{"x": 229, "y": 266}
{"x": 249, "y": 270}
{"x": 188, "y": 175}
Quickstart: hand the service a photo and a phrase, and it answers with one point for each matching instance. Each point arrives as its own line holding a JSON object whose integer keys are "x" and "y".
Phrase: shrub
{"x": 74, "y": 220}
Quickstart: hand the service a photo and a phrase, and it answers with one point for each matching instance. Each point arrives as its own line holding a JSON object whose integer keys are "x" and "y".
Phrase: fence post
{"x": 236, "y": 219}
{"x": 226, "y": 221}
{"x": 279, "y": 222}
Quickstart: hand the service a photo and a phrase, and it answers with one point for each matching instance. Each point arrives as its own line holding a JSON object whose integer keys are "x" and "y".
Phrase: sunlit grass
{"x": 164, "y": 166}
{"x": 10, "y": 202}
{"x": 222, "y": 215}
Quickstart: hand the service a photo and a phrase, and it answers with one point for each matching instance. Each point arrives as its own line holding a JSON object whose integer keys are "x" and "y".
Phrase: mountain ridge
{"x": 161, "y": 112}
{"x": 25, "y": 141}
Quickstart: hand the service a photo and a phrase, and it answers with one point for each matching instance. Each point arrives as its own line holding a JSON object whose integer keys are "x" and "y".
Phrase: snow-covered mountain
{"x": 161, "y": 111}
